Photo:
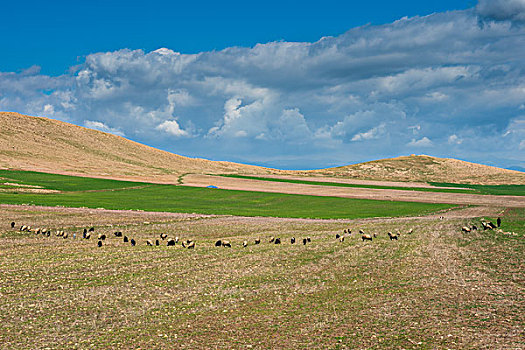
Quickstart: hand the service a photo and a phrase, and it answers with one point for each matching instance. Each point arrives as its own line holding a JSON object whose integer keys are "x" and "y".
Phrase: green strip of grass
{"x": 63, "y": 182}
{"x": 500, "y": 190}
{"x": 339, "y": 184}
{"x": 216, "y": 201}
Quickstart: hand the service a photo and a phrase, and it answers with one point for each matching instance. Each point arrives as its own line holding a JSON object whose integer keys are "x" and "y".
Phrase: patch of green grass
{"x": 171, "y": 198}
{"x": 339, "y": 184}
{"x": 509, "y": 190}
{"x": 63, "y": 182}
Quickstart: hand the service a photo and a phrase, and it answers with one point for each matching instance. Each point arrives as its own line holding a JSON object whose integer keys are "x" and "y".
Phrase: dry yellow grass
{"x": 426, "y": 168}
{"x": 47, "y": 145}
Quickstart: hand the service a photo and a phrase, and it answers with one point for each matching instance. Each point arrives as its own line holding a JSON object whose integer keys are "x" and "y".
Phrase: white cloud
{"x": 172, "y": 127}
{"x": 454, "y": 140}
{"x": 102, "y": 127}
{"x": 373, "y": 133}
{"x": 424, "y": 142}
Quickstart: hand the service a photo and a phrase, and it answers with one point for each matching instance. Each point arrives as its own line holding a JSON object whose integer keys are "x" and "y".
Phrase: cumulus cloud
{"x": 172, "y": 127}
{"x": 423, "y": 142}
{"x": 102, "y": 127}
{"x": 443, "y": 81}
{"x": 502, "y": 9}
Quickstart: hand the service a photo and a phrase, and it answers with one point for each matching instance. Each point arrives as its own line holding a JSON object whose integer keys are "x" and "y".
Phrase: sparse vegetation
{"x": 435, "y": 288}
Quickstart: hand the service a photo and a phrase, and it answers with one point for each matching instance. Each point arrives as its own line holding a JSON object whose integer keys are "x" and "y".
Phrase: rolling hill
{"x": 47, "y": 145}
{"x": 423, "y": 168}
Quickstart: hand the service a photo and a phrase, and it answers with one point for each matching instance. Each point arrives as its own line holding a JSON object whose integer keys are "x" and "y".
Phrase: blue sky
{"x": 56, "y": 35}
{"x": 279, "y": 84}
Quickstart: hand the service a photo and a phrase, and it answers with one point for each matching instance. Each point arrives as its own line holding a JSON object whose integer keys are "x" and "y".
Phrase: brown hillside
{"x": 47, "y": 145}
{"x": 424, "y": 168}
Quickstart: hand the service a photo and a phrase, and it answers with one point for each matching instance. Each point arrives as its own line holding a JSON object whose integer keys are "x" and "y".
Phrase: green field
{"x": 62, "y": 182}
{"x": 499, "y": 190}
{"x": 511, "y": 190}
{"x": 111, "y": 194}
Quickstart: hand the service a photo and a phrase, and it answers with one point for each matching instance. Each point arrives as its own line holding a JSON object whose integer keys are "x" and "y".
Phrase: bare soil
{"x": 352, "y": 192}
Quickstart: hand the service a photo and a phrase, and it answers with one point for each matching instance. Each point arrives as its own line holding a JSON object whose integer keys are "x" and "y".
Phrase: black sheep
{"x": 498, "y": 222}
{"x": 292, "y": 240}
{"x": 132, "y": 241}
{"x": 99, "y": 243}
{"x": 125, "y": 239}
{"x": 13, "y": 224}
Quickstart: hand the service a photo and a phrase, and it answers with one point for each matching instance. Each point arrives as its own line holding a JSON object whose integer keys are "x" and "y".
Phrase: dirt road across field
{"x": 352, "y": 192}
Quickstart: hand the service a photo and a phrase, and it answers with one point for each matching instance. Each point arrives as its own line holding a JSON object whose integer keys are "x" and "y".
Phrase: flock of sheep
{"x": 487, "y": 225}
{"x": 190, "y": 244}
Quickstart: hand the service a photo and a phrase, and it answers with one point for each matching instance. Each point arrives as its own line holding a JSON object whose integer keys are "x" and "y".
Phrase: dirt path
{"x": 362, "y": 193}
{"x": 360, "y": 182}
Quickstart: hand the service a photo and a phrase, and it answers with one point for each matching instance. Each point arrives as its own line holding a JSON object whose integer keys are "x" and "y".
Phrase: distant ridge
{"x": 423, "y": 168}
{"x": 48, "y": 145}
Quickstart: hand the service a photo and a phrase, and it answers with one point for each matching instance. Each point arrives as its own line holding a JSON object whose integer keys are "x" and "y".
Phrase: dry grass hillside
{"x": 47, "y": 145}
{"x": 422, "y": 168}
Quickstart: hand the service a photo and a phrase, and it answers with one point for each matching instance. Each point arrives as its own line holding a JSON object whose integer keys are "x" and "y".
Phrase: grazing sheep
{"x": 491, "y": 225}
{"x": 13, "y": 224}
{"x": 308, "y": 239}
{"x": 177, "y": 239}
{"x": 366, "y": 237}
{"x": 362, "y": 232}
{"x": 257, "y": 240}
{"x": 48, "y": 233}
{"x": 23, "y": 228}
{"x": 191, "y": 245}
{"x": 163, "y": 236}
{"x": 375, "y": 235}
{"x": 88, "y": 236}
{"x": 277, "y": 241}
{"x": 91, "y": 229}
{"x": 118, "y": 234}
{"x": 410, "y": 231}
{"x": 272, "y": 239}
{"x": 99, "y": 243}
{"x": 304, "y": 241}
{"x": 170, "y": 242}
{"x": 498, "y": 222}
{"x": 101, "y": 236}
{"x": 292, "y": 241}
{"x": 149, "y": 243}
{"x": 132, "y": 241}
{"x": 38, "y": 231}
{"x": 157, "y": 242}
{"x": 245, "y": 244}
{"x": 226, "y": 244}
{"x": 64, "y": 235}
{"x": 218, "y": 243}
{"x": 125, "y": 239}
{"x": 342, "y": 239}
{"x": 344, "y": 231}
{"x": 474, "y": 228}
{"x": 392, "y": 236}
{"x": 465, "y": 229}
{"x": 337, "y": 235}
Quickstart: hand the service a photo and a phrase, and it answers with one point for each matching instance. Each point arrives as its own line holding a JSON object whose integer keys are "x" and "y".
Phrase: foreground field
{"x": 434, "y": 288}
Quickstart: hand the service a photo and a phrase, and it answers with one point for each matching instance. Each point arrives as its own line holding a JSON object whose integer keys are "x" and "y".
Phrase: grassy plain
{"x": 112, "y": 194}
{"x": 433, "y": 289}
